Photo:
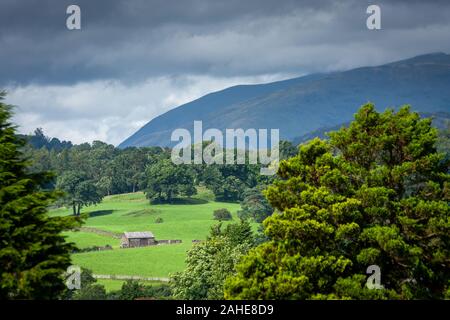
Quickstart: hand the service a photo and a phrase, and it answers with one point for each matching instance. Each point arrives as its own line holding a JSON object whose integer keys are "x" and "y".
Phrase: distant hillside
{"x": 441, "y": 121}
{"x": 302, "y": 105}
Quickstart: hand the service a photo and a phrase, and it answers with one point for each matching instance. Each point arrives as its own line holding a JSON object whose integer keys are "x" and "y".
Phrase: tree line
{"x": 88, "y": 172}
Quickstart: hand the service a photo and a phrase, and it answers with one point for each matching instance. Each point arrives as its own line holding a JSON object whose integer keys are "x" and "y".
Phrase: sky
{"x": 134, "y": 60}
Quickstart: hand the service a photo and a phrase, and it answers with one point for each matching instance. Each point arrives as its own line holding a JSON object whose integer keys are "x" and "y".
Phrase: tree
{"x": 79, "y": 190}
{"x": 443, "y": 143}
{"x": 286, "y": 149}
{"x": 210, "y": 262}
{"x": 167, "y": 181}
{"x": 254, "y": 205}
{"x": 377, "y": 194}
{"x": 33, "y": 252}
{"x": 222, "y": 214}
{"x": 131, "y": 289}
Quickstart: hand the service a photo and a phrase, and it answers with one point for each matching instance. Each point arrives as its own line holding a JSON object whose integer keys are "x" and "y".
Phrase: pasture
{"x": 187, "y": 220}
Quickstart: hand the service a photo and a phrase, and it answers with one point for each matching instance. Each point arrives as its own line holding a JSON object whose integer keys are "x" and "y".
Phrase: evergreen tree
{"x": 33, "y": 252}
{"x": 254, "y": 205}
{"x": 377, "y": 193}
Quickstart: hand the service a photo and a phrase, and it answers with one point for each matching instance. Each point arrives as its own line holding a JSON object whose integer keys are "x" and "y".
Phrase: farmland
{"x": 186, "y": 219}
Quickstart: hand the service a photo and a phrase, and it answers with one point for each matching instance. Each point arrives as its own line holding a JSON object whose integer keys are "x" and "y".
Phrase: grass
{"x": 152, "y": 261}
{"x": 185, "y": 220}
{"x": 88, "y": 239}
{"x": 111, "y": 285}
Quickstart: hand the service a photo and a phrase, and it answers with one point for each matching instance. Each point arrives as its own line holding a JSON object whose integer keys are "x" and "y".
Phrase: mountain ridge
{"x": 301, "y": 105}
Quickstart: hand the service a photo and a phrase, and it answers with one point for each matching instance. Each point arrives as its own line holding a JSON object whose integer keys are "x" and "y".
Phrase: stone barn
{"x": 137, "y": 239}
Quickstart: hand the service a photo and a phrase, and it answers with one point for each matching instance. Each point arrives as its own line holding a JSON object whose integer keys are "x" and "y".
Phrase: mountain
{"x": 302, "y": 105}
{"x": 440, "y": 120}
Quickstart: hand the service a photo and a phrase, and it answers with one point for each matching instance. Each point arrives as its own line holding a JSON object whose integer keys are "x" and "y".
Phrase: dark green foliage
{"x": 166, "y": 181}
{"x": 222, "y": 214}
{"x": 79, "y": 190}
{"x": 38, "y": 140}
{"x": 236, "y": 233}
{"x": 90, "y": 289}
{"x": 227, "y": 181}
{"x": 133, "y": 289}
{"x": 287, "y": 149}
{"x": 112, "y": 171}
{"x": 255, "y": 205}
{"x": 443, "y": 142}
{"x": 376, "y": 193}
{"x": 33, "y": 252}
{"x": 91, "y": 292}
{"x": 109, "y": 169}
{"x": 159, "y": 220}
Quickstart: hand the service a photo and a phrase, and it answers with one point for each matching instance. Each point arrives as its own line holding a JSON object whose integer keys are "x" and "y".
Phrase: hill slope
{"x": 301, "y": 105}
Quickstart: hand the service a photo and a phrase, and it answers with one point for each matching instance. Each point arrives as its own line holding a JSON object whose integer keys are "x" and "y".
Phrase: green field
{"x": 189, "y": 220}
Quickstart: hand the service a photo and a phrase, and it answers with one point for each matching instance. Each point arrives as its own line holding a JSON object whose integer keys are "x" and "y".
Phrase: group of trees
{"x": 87, "y": 172}
{"x": 110, "y": 170}
{"x": 167, "y": 181}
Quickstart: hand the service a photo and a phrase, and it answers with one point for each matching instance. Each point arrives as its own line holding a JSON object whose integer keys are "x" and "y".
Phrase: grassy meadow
{"x": 187, "y": 219}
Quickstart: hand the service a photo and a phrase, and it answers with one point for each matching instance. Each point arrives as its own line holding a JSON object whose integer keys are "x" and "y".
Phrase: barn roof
{"x": 138, "y": 234}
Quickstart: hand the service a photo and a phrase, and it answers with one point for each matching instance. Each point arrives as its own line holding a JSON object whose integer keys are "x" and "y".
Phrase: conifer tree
{"x": 33, "y": 252}
{"x": 375, "y": 193}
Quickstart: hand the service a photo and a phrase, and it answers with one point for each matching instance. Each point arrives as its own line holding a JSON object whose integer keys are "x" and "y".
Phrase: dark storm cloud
{"x": 133, "y": 60}
{"x": 134, "y": 40}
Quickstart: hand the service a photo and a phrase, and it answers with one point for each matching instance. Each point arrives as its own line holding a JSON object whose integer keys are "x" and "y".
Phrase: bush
{"x": 133, "y": 289}
{"x": 91, "y": 292}
{"x": 159, "y": 220}
{"x": 222, "y": 214}
{"x": 90, "y": 289}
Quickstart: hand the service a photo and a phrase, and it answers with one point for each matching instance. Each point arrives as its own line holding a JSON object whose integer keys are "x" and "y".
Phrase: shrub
{"x": 159, "y": 220}
{"x": 222, "y": 214}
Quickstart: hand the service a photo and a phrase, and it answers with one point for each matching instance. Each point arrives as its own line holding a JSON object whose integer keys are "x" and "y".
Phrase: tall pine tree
{"x": 33, "y": 252}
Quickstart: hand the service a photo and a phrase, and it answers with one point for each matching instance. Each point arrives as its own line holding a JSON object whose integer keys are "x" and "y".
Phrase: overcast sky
{"x": 133, "y": 60}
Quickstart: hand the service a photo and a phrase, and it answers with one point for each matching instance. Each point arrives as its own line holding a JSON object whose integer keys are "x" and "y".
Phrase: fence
{"x": 168, "y": 241}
